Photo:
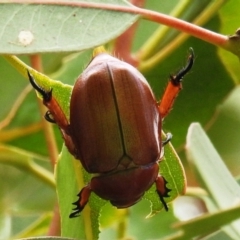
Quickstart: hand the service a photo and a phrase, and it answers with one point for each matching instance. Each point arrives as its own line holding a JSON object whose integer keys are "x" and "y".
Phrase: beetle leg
{"x": 55, "y": 114}
{"x": 167, "y": 140}
{"x": 174, "y": 86}
{"x": 162, "y": 190}
{"x": 48, "y": 116}
{"x": 50, "y": 102}
{"x": 81, "y": 202}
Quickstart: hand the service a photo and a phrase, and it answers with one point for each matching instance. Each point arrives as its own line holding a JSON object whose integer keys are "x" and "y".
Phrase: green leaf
{"x": 226, "y": 121}
{"x": 66, "y": 28}
{"x": 218, "y": 180}
{"x": 205, "y": 224}
{"x": 67, "y": 190}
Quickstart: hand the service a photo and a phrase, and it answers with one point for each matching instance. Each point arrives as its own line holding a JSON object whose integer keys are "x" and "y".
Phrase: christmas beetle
{"x": 115, "y": 129}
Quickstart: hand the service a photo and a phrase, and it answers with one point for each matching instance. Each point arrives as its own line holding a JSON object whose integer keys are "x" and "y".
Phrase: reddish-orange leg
{"x": 55, "y": 114}
{"x": 173, "y": 88}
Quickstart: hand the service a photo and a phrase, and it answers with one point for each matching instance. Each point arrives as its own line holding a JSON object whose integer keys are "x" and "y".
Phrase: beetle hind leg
{"x": 162, "y": 190}
{"x": 81, "y": 202}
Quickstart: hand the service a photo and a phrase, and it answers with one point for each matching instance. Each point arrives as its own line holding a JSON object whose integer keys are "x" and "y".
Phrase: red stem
{"x": 123, "y": 43}
{"x": 36, "y": 63}
{"x": 123, "y": 46}
{"x": 55, "y": 227}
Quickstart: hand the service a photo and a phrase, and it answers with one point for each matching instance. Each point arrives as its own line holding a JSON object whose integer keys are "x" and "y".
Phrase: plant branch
{"x": 23, "y": 160}
{"x": 7, "y": 120}
{"x": 55, "y": 225}
{"x": 123, "y": 44}
{"x": 17, "y": 132}
{"x": 169, "y": 48}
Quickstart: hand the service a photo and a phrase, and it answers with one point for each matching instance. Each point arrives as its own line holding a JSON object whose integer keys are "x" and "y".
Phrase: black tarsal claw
{"x": 47, "y": 95}
{"x": 167, "y": 190}
{"x": 48, "y": 116}
{"x": 168, "y": 139}
{"x": 77, "y": 209}
{"x": 76, "y": 203}
{"x": 179, "y": 76}
{"x": 166, "y": 194}
{"x": 76, "y": 212}
{"x": 163, "y": 202}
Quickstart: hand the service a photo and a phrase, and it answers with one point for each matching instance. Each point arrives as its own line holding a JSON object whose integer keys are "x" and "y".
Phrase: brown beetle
{"x": 115, "y": 129}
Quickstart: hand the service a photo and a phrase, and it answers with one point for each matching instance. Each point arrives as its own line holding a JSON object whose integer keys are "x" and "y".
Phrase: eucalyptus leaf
{"x": 65, "y": 28}
{"x": 205, "y": 224}
{"x": 71, "y": 178}
{"x": 220, "y": 183}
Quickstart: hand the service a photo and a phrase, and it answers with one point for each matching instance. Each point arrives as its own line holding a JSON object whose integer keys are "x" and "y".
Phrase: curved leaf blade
{"x": 218, "y": 180}
{"x": 65, "y": 28}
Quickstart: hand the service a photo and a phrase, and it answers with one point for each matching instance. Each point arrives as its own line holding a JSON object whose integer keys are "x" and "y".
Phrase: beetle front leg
{"x": 81, "y": 202}
{"x": 55, "y": 113}
{"x": 174, "y": 86}
{"x": 162, "y": 190}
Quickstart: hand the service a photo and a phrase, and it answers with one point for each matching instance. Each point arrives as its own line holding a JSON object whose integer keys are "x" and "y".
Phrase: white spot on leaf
{"x": 25, "y": 37}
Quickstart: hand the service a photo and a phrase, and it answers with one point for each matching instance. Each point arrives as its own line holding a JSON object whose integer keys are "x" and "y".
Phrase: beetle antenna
{"x": 47, "y": 95}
